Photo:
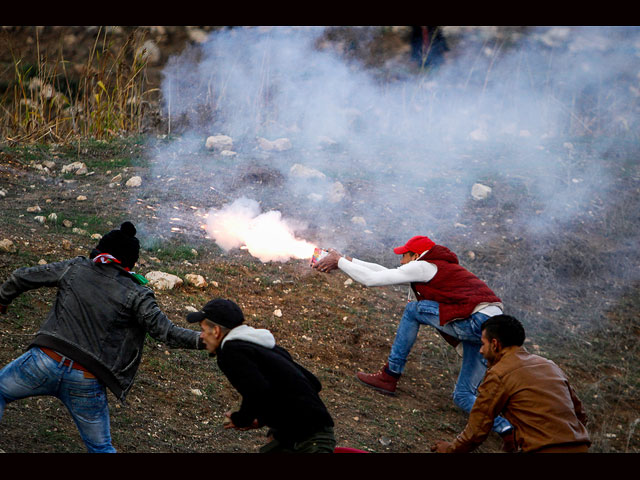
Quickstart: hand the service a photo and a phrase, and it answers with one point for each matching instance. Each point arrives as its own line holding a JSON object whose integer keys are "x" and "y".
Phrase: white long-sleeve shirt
{"x": 374, "y": 275}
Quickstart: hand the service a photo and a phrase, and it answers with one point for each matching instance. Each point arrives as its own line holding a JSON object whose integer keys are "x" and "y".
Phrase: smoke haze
{"x": 380, "y": 154}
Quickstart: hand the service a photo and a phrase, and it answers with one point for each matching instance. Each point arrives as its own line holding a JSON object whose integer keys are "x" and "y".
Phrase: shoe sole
{"x": 377, "y": 389}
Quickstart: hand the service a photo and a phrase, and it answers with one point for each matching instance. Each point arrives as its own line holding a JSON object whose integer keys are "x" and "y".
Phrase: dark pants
{"x": 323, "y": 441}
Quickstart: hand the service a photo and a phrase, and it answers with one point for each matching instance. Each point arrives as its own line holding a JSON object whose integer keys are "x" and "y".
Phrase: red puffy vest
{"x": 457, "y": 290}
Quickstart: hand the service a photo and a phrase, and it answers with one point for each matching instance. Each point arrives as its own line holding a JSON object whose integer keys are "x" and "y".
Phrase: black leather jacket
{"x": 99, "y": 319}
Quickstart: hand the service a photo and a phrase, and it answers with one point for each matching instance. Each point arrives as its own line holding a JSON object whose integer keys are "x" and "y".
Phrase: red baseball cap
{"x": 417, "y": 244}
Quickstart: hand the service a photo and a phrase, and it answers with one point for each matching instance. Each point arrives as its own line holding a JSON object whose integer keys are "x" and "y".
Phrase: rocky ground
{"x": 571, "y": 287}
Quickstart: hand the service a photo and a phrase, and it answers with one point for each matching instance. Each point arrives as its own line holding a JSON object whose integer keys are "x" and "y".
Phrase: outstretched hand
{"x": 228, "y": 423}
{"x": 441, "y": 447}
{"x": 330, "y": 262}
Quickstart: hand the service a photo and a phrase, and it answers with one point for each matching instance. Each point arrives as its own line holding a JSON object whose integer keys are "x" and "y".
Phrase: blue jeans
{"x": 35, "y": 373}
{"x": 468, "y": 331}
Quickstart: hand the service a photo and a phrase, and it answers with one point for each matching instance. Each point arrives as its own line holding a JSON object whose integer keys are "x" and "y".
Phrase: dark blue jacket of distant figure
{"x": 100, "y": 318}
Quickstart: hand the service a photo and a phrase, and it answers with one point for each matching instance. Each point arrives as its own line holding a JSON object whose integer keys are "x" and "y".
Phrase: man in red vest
{"x": 443, "y": 295}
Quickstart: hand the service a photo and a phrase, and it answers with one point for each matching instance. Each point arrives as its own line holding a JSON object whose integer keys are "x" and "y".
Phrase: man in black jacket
{"x": 276, "y": 391}
{"x": 93, "y": 336}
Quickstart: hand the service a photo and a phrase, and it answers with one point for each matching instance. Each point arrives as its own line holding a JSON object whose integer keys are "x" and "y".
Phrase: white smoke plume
{"x": 267, "y": 236}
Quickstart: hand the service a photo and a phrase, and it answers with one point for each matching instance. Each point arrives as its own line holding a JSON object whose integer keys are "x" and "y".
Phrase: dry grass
{"x": 52, "y": 100}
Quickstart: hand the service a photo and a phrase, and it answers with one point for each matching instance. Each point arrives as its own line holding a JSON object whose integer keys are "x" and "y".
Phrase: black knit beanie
{"x": 122, "y": 244}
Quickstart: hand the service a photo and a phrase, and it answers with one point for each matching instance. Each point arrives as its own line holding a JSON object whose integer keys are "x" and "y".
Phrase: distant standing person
{"x": 428, "y": 46}
{"x": 443, "y": 295}
{"x": 94, "y": 335}
{"x": 276, "y": 391}
{"x": 531, "y": 391}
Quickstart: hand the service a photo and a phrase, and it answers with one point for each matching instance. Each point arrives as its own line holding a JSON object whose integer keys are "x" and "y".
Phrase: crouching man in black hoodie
{"x": 276, "y": 391}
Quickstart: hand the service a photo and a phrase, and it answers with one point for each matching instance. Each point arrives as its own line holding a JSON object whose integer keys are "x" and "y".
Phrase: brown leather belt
{"x": 67, "y": 361}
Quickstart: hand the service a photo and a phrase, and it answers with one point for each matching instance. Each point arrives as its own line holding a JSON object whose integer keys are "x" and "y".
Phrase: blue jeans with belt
{"x": 468, "y": 331}
{"x": 35, "y": 373}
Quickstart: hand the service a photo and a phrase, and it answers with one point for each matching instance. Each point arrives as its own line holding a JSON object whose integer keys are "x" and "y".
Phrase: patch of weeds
{"x": 169, "y": 252}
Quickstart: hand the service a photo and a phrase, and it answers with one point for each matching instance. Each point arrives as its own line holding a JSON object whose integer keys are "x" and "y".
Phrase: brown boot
{"x": 381, "y": 381}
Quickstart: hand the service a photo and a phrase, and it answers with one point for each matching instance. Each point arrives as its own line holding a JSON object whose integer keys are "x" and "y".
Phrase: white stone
{"x": 81, "y": 198}
{"x": 280, "y": 144}
{"x": 479, "y": 135}
{"x": 336, "y": 192}
{"x": 40, "y": 219}
{"x": 34, "y": 209}
{"x": 197, "y": 35}
{"x": 7, "y": 245}
{"x": 219, "y": 142}
{"x": 480, "y": 191}
{"x": 196, "y": 280}
{"x": 149, "y": 51}
{"x": 163, "y": 281}
{"x": 134, "y": 182}
{"x": 358, "y": 221}
{"x": 277, "y": 312}
{"x": 117, "y": 178}
{"x": 78, "y": 168}
{"x": 302, "y": 171}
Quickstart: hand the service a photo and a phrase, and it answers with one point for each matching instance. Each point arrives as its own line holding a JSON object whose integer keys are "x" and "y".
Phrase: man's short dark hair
{"x": 507, "y": 329}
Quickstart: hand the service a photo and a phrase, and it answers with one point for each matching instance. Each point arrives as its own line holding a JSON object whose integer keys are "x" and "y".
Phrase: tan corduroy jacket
{"x": 534, "y": 395}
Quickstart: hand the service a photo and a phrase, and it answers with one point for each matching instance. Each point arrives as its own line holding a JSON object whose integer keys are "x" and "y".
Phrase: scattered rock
{"x": 42, "y": 261}
{"x": 7, "y": 245}
{"x": 33, "y": 209}
{"x": 79, "y": 231}
{"x": 150, "y": 52}
{"x": 479, "y": 135}
{"x": 163, "y": 281}
{"x": 302, "y": 171}
{"x": 67, "y": 223}
{"x": 134, "y": 182}
{"x": 337, "y": 192}
{"x": 277, "y": 313}
{"x": 81, "y": 198}
{"x": 384, "y": 441}
{"x": 53, "y": 217}
{"x": 78, "y": 168}
{"x": 480, "y": 191}
{"x": 197, "y": 392}
{"x": 40, "y": 219}
{"x": 358, "y": 221}
{"x": 190, "y": 309}
{"x": 280, "y": 145}
{"x": 3, "y": 193}
{"x": 117, "y": 178}
{"x": 348, "y": 281}
{"x": 219, "y": 142}
{"x": 197, "y": 35}
{"x": 471, "y": 255}
{"x": 197, "y": 281}
{"x": 66, "y": 244}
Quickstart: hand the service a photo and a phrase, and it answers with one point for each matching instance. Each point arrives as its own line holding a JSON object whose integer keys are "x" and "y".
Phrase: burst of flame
{"x": 265, "y": 235}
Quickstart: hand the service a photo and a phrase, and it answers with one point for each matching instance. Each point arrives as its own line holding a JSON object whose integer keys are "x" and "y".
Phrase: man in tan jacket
{"x": 530, "y": 391}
